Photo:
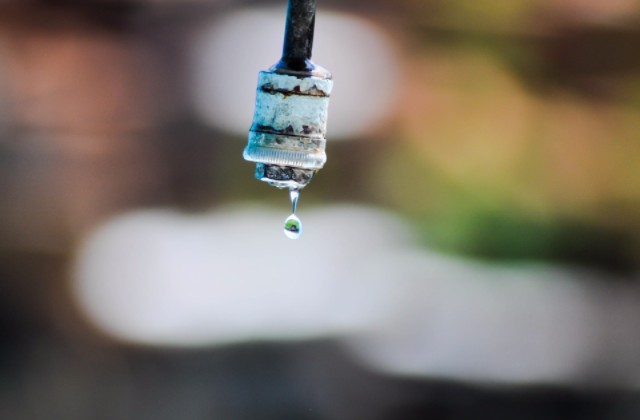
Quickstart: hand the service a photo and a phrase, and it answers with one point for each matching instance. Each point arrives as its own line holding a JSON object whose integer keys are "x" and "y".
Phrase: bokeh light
{"x": 231, "y": 49}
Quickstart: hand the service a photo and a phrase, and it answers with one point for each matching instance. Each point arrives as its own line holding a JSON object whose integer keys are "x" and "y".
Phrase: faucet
{"x": 287, "y": 137}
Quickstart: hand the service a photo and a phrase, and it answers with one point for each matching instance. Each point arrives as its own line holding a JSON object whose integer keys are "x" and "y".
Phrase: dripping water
{"x": 293, "y": 225}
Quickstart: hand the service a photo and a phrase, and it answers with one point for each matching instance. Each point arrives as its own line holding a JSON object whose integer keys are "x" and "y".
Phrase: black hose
{"x": 298, "y": 37}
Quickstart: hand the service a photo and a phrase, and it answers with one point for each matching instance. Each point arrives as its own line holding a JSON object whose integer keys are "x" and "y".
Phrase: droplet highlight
{"x": 294, "y": 195}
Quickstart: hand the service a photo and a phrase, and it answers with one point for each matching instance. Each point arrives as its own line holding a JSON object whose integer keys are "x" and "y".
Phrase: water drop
{"x": 293, "y": 225}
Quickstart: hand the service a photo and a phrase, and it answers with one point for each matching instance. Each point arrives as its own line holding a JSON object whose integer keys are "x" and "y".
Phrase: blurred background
{"x": 471, "y": 248}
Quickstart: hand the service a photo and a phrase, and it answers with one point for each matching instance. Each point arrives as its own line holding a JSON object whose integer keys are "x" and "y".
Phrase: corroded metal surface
{"x": 283, "y": 176}
{"x": 291, "y": 105}
{"x": 289, "y": 125}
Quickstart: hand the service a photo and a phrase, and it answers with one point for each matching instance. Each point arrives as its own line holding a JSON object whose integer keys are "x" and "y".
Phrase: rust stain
{"x": 312, "y": 91}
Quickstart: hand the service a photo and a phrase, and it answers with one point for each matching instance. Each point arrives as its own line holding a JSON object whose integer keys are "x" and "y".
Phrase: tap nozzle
{"x": 287, "y": 137}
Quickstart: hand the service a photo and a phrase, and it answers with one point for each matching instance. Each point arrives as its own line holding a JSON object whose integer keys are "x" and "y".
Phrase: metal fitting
{"x": 287, "y": 137}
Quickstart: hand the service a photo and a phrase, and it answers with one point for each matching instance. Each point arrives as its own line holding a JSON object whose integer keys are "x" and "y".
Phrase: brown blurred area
{"x": 525, "y": 117}
{"x": 80, "y": 121}
{"x": 516, "y": 137}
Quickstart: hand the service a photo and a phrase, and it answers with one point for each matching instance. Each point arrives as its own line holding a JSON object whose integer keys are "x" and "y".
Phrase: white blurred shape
{"x": 229, "y": 53}
{"x": 166, "y": 278}
{"x": 473, "y": 322}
